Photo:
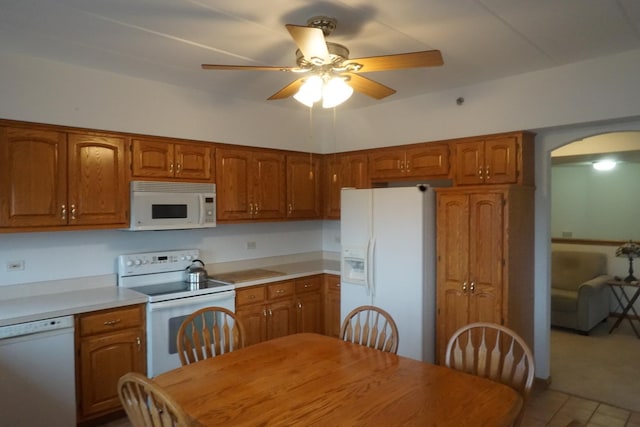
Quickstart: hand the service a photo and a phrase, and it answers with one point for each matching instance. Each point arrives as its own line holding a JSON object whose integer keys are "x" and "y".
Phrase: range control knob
{"x": 137, "y": 262}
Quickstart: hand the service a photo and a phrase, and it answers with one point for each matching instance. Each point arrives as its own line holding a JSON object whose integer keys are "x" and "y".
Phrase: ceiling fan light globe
{"x": 310, "y": 91}
{"x": 335, "y": 92}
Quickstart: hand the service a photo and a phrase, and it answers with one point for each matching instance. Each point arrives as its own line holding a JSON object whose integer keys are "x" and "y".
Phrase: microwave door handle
{"x": 201, "y": 200}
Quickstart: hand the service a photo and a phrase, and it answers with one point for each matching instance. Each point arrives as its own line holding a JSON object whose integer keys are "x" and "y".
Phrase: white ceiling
{"x": 167, "y": 40}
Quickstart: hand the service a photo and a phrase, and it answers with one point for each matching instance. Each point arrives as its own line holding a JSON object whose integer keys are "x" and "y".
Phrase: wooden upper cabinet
{"x": 33, "y": 176}
{"x": 303, "y": 186}
{"x": 55, "y": 179}
{"x": 340, "y": 171}
{"x": 503, "y": 159}
{"x": 167, "y": 159}
{"x": 193, "y": 161}
{"x": 97, "y": 180}
{"x": 331, "y": 185}
{"x": 423, "y": 162}
{"x": 250, "y": 184}
{"x": 354, "y": 170}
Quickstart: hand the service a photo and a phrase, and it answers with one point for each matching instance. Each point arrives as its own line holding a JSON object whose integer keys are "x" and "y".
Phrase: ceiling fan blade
{"x": 287, "y": 91}
{"x": 248, "y": 67}
{"x": 427, "y": 58}
{"x": 369, "y": 87}
{"x": 311, "y": 43}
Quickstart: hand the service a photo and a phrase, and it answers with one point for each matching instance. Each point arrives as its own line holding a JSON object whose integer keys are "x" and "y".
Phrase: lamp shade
{"x": 628, "y": 250}
{"x": 310, "y": 91}
{"x": 332, "y": 90}
{"x": 335, "y": 92}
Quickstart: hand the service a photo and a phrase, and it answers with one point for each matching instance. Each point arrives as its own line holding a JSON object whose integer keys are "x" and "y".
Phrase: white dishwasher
{"x": 37, "y": 374}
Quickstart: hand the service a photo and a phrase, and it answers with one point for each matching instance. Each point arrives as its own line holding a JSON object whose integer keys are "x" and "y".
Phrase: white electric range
{"x": 161, "y": 276}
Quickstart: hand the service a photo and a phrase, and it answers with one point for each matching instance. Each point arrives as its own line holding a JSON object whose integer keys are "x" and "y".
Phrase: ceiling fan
{"x": 324, "y": 64}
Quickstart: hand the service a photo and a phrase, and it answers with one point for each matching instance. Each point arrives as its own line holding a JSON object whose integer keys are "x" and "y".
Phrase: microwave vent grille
{"x": 172, "y": 187}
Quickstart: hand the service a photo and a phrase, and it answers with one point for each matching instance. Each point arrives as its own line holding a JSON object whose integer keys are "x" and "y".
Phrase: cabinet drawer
{"x": 250, "y": 295}
{"x": 308, "y": 284}
{"x": 111, "y": 320}
{"x": 280, "y": 289}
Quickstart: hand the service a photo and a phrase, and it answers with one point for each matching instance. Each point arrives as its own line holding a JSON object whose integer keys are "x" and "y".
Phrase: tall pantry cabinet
{"x": 484, "y": 259}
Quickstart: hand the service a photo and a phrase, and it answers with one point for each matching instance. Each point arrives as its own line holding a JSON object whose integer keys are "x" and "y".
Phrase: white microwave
{"x": 157, "y": 205}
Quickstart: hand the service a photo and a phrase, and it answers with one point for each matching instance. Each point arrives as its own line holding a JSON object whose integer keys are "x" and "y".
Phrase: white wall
{"x": 597, "y": 205}
{"x": 62, "y": 255}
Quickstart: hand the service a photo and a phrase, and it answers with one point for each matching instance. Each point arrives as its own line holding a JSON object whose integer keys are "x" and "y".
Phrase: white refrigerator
{"x": 388, "y": 260}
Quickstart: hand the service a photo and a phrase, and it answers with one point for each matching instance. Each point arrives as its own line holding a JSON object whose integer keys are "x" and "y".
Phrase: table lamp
{"x": 629, "y": 250}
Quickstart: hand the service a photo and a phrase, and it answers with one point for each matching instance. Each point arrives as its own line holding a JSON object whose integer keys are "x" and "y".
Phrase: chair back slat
{"x": 209, "y": 332}
{"x": 372, "y": 327}
{"x": 494, "y": 352}
{"x": 147, "y": 404}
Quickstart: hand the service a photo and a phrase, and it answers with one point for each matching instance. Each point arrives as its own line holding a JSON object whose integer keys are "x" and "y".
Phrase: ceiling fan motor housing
{"x": 325, "y": 23}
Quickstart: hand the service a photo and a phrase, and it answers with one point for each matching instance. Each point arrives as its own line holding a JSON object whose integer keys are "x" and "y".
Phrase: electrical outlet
{"x": 15, "y": 265}
{"x": 251, "y": 245}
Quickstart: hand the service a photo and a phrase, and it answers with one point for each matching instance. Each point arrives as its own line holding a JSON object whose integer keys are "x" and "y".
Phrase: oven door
{"x": 163, "y": 320}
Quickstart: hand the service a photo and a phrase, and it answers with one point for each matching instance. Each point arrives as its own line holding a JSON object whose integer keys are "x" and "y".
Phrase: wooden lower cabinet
{"x": 309, "y": 304}
{"x": 332, "y": 319}
{"x": 291, "y": 306}
{"x": 484, "y": 260}
{"x": 266, "y": 311}
{"x": 109, "y": 343}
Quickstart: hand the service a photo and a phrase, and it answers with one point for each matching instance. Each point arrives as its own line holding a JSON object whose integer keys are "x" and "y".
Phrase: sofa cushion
{"x": 569, "y": 269}
{"x": 562, "y": 300}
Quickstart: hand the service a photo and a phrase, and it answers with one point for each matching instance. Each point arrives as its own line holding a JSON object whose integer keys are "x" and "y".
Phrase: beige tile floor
{"x": 549, "y": 408}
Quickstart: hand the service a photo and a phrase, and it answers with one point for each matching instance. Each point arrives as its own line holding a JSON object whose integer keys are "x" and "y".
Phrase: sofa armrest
{"x": 594, "y": 285}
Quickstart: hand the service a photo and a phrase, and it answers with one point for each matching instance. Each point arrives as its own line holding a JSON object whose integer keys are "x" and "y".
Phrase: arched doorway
{"x": 584, "y": 217}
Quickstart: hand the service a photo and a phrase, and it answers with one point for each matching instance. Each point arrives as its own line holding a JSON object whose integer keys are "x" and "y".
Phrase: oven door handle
{"x": 212, "y": 298}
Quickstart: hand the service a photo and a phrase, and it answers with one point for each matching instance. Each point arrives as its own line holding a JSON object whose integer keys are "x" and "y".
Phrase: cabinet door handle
{"x": 279, "y": 291}
{"x": 408, "y": 166}
{"x": 73, "y": 211}
{"x": 171, "y": 167}
{"x": 139, "y": 342}
{"x": 306, "y": 285}
{"x": 299, "y": 305}
{"x": 290, "y": 208}
{"x": 270, "y": 312}
{"x": 480, "y": 171}
{"x": 473, "y": 287}
{"x": 112, "y": 322}
{"x": 178, "y": 167}
{"x": 486, "y": 173}
{"x": 63, "y": 212}
{"x": 264, "y": 312}
{"x": 464, "y": 286}
{"x": 256, "y": 208}
{"x": 250, "y": 208}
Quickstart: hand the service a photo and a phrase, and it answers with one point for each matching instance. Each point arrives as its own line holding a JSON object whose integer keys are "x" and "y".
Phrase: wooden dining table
{"x": 310, "y": 379}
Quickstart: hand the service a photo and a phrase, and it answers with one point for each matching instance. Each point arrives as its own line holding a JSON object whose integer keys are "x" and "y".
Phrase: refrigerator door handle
{"x": 371, "y": 282}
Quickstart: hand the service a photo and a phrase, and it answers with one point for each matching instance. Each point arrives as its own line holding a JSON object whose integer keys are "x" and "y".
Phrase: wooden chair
{"x": 495, "y": 352}
{"x": 372, "y": 327}
{"x": 209, "y": 332}
{"x": 148, "y": 405}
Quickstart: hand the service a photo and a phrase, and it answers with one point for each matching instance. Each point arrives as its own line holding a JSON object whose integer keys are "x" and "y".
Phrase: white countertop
{"x": 295, "y": 270}
{"x": 29, "y": 302}
{"x": 44, "y": 306}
